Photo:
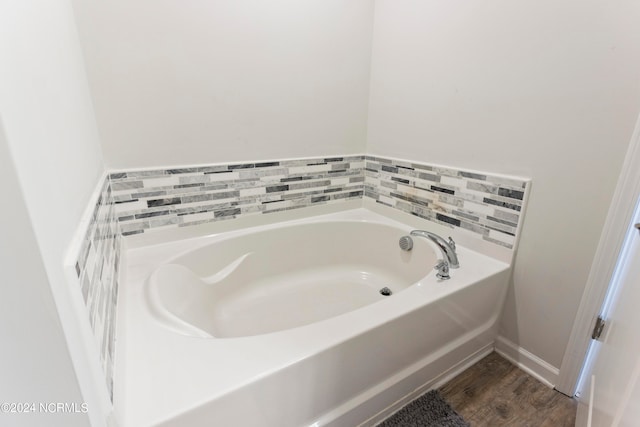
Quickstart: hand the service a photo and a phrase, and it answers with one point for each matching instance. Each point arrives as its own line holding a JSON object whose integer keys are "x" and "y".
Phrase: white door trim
{"x": 620, "y": 214}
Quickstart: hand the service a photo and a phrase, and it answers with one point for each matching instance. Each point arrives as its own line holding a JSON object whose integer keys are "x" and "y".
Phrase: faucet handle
{"x": 452, "y": 243}
{"x": 443, "y": 270}
{"x": 441, "y": 264}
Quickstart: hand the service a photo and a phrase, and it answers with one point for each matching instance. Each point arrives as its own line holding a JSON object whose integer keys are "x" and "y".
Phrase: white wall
{"x": 29, "y": 323}
{"x": 543, "y": 89}
{"x": 216, "y": 80}
{"x": 52, "y": 137}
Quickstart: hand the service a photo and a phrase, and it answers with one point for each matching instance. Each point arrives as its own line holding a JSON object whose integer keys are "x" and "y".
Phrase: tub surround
{"x": 178, "y": 197}
{"x": 96, "y": 268}
{"x": 482, "y": 206}
{"x": 488, "y": 205}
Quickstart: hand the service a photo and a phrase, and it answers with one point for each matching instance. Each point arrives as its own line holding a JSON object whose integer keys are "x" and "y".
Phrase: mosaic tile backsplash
{"x": 485, "y": 204}
{"x": 135, "y": 202}
{"x": 97, "y": 271}
{"x": 165, "y": 198}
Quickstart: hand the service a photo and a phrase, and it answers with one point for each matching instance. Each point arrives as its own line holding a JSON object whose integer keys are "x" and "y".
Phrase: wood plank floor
{"x": 493, "y": 392}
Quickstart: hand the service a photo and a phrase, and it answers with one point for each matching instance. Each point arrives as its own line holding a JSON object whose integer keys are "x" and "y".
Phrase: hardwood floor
{"x": 493, "y": 392}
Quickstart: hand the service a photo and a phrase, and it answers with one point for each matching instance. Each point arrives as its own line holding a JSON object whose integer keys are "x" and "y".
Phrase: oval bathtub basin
{"x": 279, "y": 279}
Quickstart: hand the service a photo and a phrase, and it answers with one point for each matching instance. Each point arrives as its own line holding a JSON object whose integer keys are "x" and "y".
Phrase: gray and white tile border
{"x": 168, "y": 198}
{"x": 488, "y": 205}
{"x": 96, "y": 268}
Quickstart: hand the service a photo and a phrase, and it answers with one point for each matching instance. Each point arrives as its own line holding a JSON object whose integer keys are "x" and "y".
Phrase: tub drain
{"x": 385, "y": 291}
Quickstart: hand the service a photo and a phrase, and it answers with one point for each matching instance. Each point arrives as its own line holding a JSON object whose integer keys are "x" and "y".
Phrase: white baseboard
{"x": 582, "y": 415}
{"x": 528, "y": 362}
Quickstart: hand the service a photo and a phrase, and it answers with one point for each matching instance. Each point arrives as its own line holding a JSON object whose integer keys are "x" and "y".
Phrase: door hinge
{"x": 597, "y": 329}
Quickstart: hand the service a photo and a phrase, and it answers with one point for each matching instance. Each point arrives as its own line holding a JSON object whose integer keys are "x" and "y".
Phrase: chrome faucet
{"x": 448, "y": 249}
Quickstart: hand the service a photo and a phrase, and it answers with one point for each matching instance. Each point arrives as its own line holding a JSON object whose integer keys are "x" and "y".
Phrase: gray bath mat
{"x": 429, "y": 410}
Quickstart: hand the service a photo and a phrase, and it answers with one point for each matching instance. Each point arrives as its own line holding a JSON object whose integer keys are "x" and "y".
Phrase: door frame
{"x": 619, "y": 216}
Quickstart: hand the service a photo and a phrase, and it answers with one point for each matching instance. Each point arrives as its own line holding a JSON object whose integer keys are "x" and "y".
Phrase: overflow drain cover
{"x": 385, "y": 291}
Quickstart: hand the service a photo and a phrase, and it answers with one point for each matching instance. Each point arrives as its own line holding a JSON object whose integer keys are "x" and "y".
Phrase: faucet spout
{"x": 447, "y": 248}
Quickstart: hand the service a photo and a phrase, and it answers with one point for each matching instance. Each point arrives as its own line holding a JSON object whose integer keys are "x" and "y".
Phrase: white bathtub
{"x": 284, "y": 325}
